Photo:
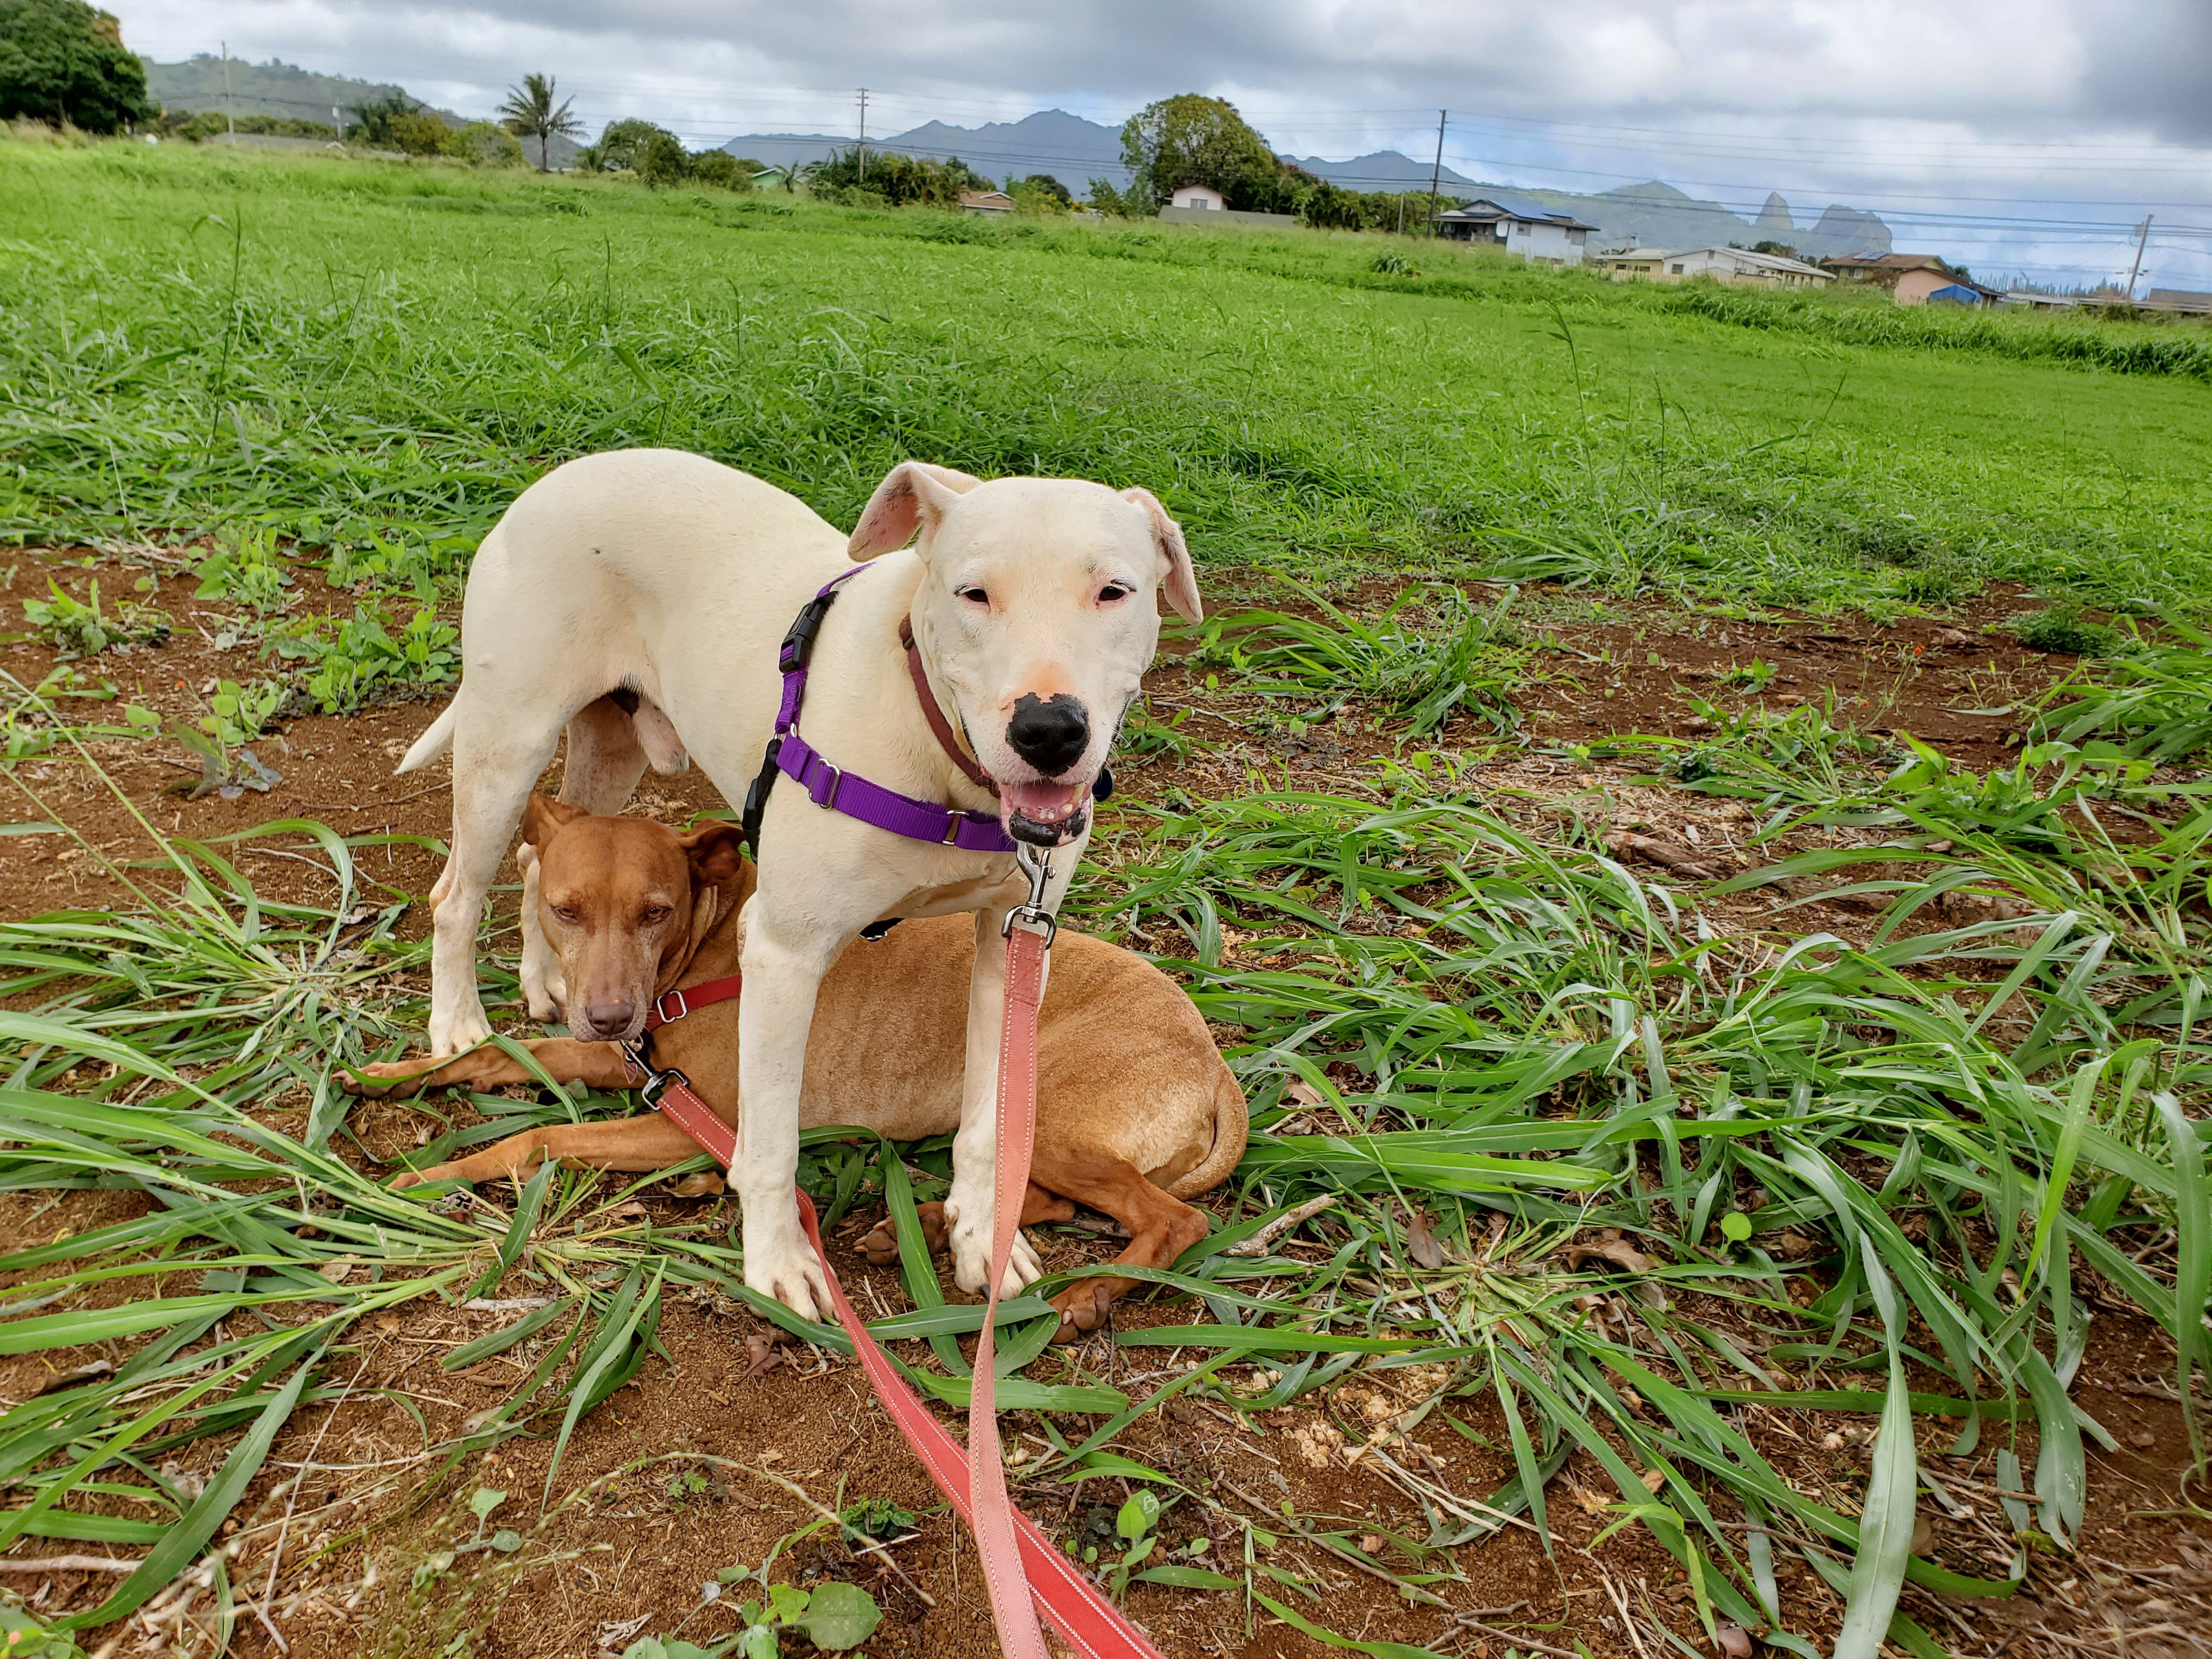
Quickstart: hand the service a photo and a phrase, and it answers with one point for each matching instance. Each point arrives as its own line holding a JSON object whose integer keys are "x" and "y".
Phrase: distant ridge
{"x": 1076, "y": 151}
{"x": 286, "y": 90}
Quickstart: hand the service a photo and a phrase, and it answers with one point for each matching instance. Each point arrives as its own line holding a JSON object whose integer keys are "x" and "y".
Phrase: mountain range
{"x": 1076, "y": 151}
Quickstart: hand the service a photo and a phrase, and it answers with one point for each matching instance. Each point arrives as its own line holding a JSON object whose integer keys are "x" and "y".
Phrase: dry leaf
{"x": 629, "y": 1209}
{"x": 1609, "y": 1246}
{"x": 1924, "y": 1535}
{"x": 1372, "y": 1542}
{"x": 705, "y": 1184}
{"x": 1421, "y": 1241}
{"x": 1653, "y": 1480}
{"x": 1733, "y": 1641}
{"x": 1593, "y": 1503}
{"x": 1666, "y": 855}
{"x": 1302, "y": 1093}
{"x": 338, "y": 1272}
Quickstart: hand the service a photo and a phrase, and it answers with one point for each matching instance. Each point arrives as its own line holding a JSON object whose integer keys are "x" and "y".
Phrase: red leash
{"x": 1017, "y": 1556}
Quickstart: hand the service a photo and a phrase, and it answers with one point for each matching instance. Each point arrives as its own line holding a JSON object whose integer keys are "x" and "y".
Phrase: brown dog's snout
{"x": 610, "y": 1019}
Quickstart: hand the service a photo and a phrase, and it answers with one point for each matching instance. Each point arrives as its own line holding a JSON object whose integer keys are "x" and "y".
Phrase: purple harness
{"x": 836, "y": 790}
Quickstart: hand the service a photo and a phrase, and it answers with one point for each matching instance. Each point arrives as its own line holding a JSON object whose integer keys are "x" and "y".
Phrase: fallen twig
{"x": 1258, "y": 1243}
{"x": 71, "y": 1563}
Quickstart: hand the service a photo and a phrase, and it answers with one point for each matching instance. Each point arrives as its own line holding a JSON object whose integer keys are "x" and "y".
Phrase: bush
{"x": 894, "y": 180}
{"x": 2061, "y": 626}
{"x": 662, "y": 160}
{"x": 61, "y": 61}
{"x": 419, "y": 133}
{"x": 198, "y": 127}
{"x": 722, "y": 170}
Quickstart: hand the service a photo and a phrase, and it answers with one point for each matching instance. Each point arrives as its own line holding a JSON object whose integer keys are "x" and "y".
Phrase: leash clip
{"x": 1035, "y": 863}
{"x": 658, "y": 1082}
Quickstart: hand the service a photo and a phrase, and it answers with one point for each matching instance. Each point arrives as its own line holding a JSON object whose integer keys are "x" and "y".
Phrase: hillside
{"x": 284, "y": 89}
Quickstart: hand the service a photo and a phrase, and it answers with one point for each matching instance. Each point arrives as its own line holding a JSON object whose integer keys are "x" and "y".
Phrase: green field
{"x": 1889, "y": 1177}
{"x": 346, "y": 351}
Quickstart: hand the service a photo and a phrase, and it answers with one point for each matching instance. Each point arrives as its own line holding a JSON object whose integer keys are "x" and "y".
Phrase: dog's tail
{"x": 432, "y": 744}
{"x": 1230, "y": 1123}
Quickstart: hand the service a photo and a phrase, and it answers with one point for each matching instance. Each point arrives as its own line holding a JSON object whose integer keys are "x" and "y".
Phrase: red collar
{"x": 940, "y": 727}
{"x": 687, "y": 999}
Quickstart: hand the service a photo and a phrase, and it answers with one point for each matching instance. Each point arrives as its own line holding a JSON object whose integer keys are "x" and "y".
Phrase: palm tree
{"x": 529, "y": 111}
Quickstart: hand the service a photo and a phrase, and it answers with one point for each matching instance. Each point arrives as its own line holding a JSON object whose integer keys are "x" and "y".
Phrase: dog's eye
{"x": 1113, "y": 592}
{"x": 565, "y": 912}
{"x": 656, "y": 913}
{"x": 974, "y": 596}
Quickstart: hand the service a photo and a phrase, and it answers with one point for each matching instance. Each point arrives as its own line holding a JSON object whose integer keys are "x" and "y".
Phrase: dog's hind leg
{"x": 605, "y": 758}
{"x": 497, "y": 756}
{"x": 1160, "y": 1228}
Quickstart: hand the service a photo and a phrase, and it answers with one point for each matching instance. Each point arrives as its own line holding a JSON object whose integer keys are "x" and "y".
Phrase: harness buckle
{"x": 660, "y": 1007}
{"x": 827, "y": 802}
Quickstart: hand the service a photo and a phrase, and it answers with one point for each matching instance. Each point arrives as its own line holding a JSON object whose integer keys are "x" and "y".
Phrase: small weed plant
{"x": 80, "y": 627}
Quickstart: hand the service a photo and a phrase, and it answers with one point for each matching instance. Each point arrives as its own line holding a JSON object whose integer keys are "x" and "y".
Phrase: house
{"x": 2028, "y": 300}
{"x": 2189, "y": 302}
{"x": 772, "y": 178}
{"x": 1516, "y": 227}
{"x": 1739, "y": 267}
{"x": 1200, "y": 195}
{"x": 1910, "y": 278}
{"x": 991, "y": 203}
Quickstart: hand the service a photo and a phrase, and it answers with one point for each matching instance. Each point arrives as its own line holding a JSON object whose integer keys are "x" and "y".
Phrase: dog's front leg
{"x": 971, "y": 1205}
{"x": 543, "y": 989}
{"x": 784, "y": 960}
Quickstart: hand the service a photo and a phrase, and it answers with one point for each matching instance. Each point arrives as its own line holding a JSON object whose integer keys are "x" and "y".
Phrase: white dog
{"x": 669, "y": 581}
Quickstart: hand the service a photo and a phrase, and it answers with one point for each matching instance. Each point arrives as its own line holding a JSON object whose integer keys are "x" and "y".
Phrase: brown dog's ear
{"x": 717, "y": 852}
{"x": 915, "y": 493}
{"x": 542, "y": 819}
{"x": 1167, "y": 535}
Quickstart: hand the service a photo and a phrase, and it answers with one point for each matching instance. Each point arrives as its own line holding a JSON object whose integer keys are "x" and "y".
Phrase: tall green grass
{"x": 371, "y": 359}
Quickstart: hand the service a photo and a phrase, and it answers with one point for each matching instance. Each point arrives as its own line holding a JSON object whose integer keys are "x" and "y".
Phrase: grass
{"x": 1517, "y": 1067}
{"x": 1603, "y": 1171}
{"x": 367, "y": 360}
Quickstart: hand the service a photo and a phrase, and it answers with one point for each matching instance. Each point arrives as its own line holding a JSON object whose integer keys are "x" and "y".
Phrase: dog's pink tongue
{"x": 1044, "y": 803}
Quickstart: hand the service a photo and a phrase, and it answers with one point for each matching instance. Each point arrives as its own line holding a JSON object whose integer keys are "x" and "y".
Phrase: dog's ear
{"x": 914, "y": 495}
{"x": 542, "y": 819}
{"x": 1167, "y": 535}
{"x": 717, "y": 852}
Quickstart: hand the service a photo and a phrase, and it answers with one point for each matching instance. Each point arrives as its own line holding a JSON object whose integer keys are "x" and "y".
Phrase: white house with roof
{"x": 1515, "y": 226}
{"x": 1200, "y": 195}
{"x": 1737, "y": 266}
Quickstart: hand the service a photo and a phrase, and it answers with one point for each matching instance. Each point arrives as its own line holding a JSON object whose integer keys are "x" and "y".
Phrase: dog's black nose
{"x": 609, "y": 1016}
{"x": 1051, "y": 735}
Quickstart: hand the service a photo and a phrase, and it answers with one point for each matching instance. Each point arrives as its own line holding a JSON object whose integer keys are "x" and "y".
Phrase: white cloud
{"x": 2071, "y": 111}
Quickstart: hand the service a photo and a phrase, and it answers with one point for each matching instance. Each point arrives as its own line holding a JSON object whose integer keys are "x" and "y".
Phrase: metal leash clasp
{"x": 1035, "y": 863}
{"x": 658, "y": 1082}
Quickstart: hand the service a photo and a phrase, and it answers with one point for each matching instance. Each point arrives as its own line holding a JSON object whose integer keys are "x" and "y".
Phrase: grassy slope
{"x": 408, "y": 346}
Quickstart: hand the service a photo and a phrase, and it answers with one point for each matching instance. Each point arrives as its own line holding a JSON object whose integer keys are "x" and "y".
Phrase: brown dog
{"x": 1135, "y": 1109}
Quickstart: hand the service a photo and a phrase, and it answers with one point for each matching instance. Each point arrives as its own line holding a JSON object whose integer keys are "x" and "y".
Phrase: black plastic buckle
{"x": 749, "y": 820}
{"x": 798, "y": 647}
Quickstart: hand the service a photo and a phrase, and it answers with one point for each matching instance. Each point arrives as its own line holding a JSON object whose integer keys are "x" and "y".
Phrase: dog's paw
{"x": 880, "y": 1246}
{"x": 387, "y": 1080}
{"x": 1082, "y": 1308}
{"x": 787, "y": 1268}
{"x": 457, "y": 1030}
{"x": 971, "y": 1255}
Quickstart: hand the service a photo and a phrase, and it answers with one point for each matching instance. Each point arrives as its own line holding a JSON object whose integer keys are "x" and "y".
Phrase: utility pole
{"x": 864, "y": 132}
{"x": 2143, "y": 237}
{"x": 1436, "y": 172}
{"x": 337, "y": 122}
{"x": 229, "y": 110}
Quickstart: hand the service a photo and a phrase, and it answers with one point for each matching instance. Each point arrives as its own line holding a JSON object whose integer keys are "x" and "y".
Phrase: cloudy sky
{"x": 2019, "y": 136}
